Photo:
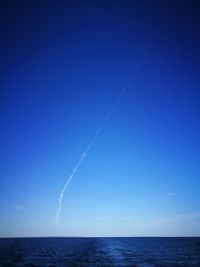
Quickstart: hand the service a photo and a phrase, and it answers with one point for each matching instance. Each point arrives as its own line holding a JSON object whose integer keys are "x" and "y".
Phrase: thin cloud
{"x": 19, "y": 208}
{"x": 126, "y": 218}
{"x": 100, "y": 218}
{"x": 16, "y": 207}
{"x": 170, "y": 194}
{"x": 176, "y": 217}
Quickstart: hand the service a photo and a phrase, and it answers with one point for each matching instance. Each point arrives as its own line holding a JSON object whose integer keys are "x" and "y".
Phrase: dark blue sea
{"x": 107, "y": 252}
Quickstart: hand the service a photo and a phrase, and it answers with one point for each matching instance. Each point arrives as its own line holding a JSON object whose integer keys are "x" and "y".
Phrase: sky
{"x": 63, "y": 65}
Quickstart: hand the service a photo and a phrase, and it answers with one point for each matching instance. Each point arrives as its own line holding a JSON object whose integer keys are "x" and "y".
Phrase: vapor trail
{"x": 116, "y": 102}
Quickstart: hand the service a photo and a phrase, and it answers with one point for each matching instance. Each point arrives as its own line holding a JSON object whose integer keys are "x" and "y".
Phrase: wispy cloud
{"x": 100, "y": 218}
{"x": 126, "y": 218}
{"x": 170, "y": 194}
{"x": 19, "y": 208}
{"x": 176, "y": 217}
{"x": 16, "y": 207}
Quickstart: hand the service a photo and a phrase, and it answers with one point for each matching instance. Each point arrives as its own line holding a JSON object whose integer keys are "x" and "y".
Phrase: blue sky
{"x": 63, "y": 65}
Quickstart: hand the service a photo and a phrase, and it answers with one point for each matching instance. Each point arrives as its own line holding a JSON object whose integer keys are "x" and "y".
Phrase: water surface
{"x": 105, "y": 252}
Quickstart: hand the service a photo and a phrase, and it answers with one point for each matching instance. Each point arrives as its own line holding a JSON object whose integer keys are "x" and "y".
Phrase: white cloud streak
{"x": 16, "y": 207}
{"x": 176, "y": 217}
{"x": 116, "y": 102}
{"x": 19, "y": 208}
{"x": 171, "y": 194}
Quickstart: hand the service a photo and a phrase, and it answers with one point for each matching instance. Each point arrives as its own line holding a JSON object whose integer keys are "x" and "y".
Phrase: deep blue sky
{"x": 63, "y": 63}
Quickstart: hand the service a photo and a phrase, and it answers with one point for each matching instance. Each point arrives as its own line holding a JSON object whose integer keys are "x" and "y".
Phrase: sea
{"x": 105, "y": 252}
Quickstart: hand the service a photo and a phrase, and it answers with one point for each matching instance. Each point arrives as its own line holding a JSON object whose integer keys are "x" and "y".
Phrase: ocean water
{"x": 105, "y": 252}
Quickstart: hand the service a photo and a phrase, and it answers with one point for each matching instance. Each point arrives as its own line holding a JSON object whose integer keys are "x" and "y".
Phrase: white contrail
{"x": 116, "y": 102}
{"x": 72, "y": 175}
{"x": 88, "y": 148}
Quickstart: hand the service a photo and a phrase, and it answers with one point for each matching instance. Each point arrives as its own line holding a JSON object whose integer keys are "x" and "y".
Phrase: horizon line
{"x": 136, "y": 236}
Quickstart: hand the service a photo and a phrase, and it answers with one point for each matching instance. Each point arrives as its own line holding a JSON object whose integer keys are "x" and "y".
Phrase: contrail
{"x": 116, "y": 102}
